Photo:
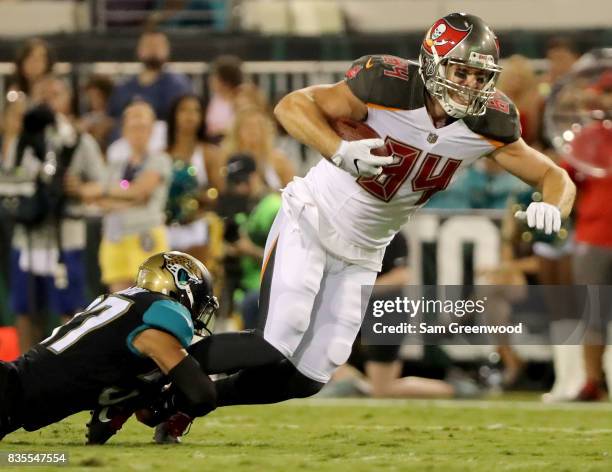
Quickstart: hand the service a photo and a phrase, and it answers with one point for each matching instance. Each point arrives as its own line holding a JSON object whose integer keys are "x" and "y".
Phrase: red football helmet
{"x": 465, "y": 40}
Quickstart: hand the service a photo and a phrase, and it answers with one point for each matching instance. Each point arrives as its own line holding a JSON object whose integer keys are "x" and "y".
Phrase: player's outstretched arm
{"x": 197, "y": 395}
{"x": 536, "y": 169}
{"x": 304, "y": 114}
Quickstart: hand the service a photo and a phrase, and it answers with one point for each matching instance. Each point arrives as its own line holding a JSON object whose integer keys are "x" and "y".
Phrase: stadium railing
{"x": 275, "y": 78}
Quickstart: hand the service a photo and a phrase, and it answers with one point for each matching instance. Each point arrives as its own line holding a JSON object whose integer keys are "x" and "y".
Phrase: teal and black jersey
{"x": 90, "y": 361}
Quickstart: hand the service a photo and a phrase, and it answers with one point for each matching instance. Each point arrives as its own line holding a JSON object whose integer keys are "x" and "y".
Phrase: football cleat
{"x": 105, "y": 422}
{"x": 590, "y": 392}
{"x": 171, "y": 431}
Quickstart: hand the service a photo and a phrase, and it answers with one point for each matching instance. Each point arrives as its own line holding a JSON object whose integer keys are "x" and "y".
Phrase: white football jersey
{"x": 367, "y": 212}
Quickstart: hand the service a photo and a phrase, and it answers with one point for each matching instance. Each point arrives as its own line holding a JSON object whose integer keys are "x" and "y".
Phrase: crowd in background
{"x": 169, "y": 13}
{"x": 146, "y": 166}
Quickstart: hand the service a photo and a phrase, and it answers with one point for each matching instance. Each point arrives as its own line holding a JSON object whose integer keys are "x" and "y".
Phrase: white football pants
{"x": 310, "y": 302}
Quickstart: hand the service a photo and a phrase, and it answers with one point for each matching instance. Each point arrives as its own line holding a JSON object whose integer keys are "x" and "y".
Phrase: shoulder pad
{"x": 500, "y": 122}
{"x": 170, "y": 316}
{"x": 387, "y": 81}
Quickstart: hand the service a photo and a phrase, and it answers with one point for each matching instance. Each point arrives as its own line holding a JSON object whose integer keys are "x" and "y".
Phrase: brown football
{"x": 352, "y": 130}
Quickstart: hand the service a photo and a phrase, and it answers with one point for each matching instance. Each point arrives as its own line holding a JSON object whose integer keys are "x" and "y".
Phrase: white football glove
{"x": 354, "y": 157}
{"x": 542, "y": 216}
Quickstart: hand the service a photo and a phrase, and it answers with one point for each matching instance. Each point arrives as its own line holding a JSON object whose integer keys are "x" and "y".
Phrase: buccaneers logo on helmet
{"x": 444, "y": 37}
{"x": 459, "y": 40}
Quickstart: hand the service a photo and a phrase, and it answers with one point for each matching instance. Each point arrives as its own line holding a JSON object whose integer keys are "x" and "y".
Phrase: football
{"x": 353, "y": 130}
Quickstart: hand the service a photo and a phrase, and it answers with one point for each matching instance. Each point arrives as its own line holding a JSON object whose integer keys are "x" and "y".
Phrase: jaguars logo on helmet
{"x": 184, "y": 278}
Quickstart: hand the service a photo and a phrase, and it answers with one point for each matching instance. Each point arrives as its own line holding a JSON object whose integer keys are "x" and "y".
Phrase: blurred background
{"x": 134, "y": 126}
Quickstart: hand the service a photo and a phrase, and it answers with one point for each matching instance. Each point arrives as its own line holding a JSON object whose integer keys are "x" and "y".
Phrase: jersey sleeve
{"x": 361, "y": 79}
{"x": 169, "y": 316}
{"x": 500, "y": 123}
{"x": 387, "y": 81}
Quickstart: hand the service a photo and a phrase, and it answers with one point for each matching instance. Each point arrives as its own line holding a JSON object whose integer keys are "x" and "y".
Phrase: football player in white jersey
{"x": 328, "y": 240}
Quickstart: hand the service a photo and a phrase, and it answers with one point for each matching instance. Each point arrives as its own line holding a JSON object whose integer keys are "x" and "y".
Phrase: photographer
{"x": 49, "y": 238}
{"x": 249, "y": 209}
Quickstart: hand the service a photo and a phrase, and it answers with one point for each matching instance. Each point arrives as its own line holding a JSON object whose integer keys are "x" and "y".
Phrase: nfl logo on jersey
{"x": 432, "y": 138}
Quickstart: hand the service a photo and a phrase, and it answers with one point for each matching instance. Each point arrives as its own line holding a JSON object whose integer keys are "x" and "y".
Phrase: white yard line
{"x": 229, "y": 422}
{"x": 453, "y": 404}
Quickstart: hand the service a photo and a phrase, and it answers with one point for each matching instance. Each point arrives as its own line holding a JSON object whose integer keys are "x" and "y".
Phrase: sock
{"x": 265, "y": 384}
{"x": 230, "y": 352}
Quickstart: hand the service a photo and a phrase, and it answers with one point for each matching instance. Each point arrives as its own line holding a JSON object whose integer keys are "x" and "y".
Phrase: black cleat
{"x": 105, "y": 422}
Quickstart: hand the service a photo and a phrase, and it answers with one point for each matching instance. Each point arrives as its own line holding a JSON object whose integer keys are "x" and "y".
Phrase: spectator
{"x": 519, "y": 266}
{"x": 34, "y": 60}
{"x": 248, "y": 95}
{"x": 134, "y": 201}
{"x": 483, "y": 185}
{"x": 244, "y": 186}
{"x": 156, "y": 144}
{"x": 56, "y": 93}
{"x": 519, "y": 82}
{"x": 245, "y": 189}
{"x": 95, "y": 120}
{"x": 490, "y": 186}
{"x": 154, "y": 84}
{"x": 254, "y": 133}
{"x": 250, "y": 247}
{"x": 11, "y": 126}
{"x": 47, "y": 257}
{"x": 592, "y": 261}
{"x": 196, "y": 177}
{"x": 580, "y": 105}
{"x": 562, "y": 54}
{"x": 224, "y": 83}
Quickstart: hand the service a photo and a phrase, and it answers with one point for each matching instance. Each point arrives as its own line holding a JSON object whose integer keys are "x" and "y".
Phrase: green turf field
{"x": 354, "y": 435}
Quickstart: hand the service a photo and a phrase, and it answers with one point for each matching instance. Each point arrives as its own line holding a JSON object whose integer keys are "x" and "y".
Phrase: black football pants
{"x": 10, "y": 394}
{"x": 259, "y": 372}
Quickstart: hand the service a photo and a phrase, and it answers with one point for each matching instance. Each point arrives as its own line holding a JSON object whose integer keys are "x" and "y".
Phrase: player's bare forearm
{"x": 164, "y": 349}
{"x": 302, "y": 118}
{"x": 538, "y": 170}
{"x": 558, "y": 189}
{"x": 198, "y": 396}
{"x": 304, "y": 114}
